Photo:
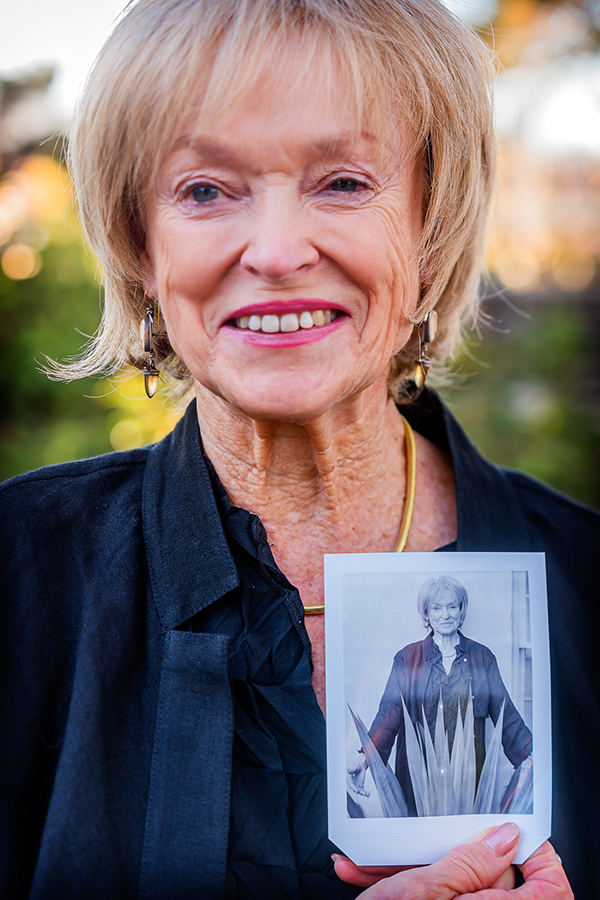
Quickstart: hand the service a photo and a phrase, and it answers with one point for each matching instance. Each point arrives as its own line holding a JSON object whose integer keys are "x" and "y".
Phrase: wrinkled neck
{"x": 290, "y": 472}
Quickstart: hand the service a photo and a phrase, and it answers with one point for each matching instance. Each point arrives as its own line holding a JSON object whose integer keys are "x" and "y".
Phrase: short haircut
{"x": 435, "y": 588}
{"x": 408, "y": 58}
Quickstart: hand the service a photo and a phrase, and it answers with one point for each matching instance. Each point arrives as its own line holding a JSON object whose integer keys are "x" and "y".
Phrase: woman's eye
{"x": 204, "y": 193}
{"x": 349, "y": 185}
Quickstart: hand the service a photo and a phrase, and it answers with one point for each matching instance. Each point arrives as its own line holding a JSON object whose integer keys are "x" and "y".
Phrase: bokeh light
{"x": 126, "y": 435}
{"x": 574, "y": 272}
{"x": 14, "y": 205}
{"x": 20, "y": 261}
{"x": 517, "y": 267}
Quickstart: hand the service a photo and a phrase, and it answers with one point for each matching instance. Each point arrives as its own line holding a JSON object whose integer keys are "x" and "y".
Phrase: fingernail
{"x": 335, "y": 857}
{"x": 503, "y": 838}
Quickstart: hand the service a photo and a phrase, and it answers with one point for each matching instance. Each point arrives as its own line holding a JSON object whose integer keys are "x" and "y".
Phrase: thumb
{"x": 466, "y": 869}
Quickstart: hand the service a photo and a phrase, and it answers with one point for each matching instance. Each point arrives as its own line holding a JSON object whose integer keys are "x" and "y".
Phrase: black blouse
{"x": 278, "y": 844}
{"x": 452, "y": 686}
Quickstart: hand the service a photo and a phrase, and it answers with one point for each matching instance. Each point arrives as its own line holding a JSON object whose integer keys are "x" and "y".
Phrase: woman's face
{"x": 444, "y": 614}
{"x": 283, "y": 252}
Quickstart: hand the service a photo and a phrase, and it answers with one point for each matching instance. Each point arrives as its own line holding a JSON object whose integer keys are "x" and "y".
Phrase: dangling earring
{"x": 412, "y": 386}
{"x": 151, "y": 373}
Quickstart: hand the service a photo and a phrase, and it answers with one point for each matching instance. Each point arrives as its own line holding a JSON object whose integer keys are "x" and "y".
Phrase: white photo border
{"x": 413, "y": 840}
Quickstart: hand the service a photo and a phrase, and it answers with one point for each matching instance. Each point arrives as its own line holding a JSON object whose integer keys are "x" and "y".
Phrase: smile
{"x": 288, "y": 322}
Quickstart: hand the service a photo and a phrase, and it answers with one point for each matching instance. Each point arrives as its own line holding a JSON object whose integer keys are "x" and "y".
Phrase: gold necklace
{"x": 409, "y": 503}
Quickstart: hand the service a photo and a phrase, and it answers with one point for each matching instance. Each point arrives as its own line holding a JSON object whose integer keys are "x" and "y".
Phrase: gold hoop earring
{"x": 412, "y": 386}
{"x": 151, "y": 373}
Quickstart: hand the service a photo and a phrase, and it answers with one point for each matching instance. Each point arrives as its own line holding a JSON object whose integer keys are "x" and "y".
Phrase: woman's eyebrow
{"x": 211, "y": 151}
{"x": 338, "y": 145}
{"x": 326, "y": 147}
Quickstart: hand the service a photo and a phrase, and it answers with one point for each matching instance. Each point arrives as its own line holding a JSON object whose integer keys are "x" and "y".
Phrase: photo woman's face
{"x": 263, "y": 227}
{"x": 444, "y": 614}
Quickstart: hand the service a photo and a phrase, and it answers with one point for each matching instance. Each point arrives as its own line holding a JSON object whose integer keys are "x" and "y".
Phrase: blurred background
{"x": 527, "y": 386}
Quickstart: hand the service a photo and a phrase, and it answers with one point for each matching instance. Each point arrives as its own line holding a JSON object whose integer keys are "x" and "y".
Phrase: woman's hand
{"x": 356, "y": 776}
{"x": 480, "y": 870}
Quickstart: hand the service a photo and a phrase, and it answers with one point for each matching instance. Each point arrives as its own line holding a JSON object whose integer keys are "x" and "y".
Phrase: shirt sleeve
{"x": 390, "y": 716}
{"x": 516, "y": 736}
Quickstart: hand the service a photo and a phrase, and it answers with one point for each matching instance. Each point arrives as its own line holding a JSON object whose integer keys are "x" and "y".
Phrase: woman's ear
{"x": 149, "y": 273}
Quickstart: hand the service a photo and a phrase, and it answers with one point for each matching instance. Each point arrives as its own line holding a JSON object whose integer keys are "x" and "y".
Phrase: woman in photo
{"x": 285, "y": 195}
{"x": 446, "y": 671}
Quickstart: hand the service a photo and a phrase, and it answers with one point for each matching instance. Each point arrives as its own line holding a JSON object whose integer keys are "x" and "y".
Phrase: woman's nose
{"x": 279, "y": 245}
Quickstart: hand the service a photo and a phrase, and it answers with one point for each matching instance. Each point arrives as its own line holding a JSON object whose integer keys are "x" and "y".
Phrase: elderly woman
{"x": 282, "y": 192}
{"x": 450, "y": 666}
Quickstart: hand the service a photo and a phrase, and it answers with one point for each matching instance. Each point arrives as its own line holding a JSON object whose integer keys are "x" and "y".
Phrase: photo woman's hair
{"x": 435, "y": 589}
{"x": 414, "y": 77}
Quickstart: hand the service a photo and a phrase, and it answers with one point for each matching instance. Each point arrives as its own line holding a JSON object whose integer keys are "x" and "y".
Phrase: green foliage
{"x": 527, "y": 400}
{"x": 41, "y": 421}
{"x": 51, "y": 314}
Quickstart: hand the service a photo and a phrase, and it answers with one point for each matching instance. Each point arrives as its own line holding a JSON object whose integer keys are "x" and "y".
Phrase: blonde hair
{"x": 399, "y": 57}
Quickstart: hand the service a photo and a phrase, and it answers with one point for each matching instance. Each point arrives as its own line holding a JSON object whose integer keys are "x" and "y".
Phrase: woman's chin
{"x": 285, "y": 395}
{"x": 285, "y": 406}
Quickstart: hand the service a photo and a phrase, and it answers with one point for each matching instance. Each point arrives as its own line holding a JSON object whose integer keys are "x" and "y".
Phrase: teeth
{"x": 270, "y": 324}
{"x": 288, "y": 322}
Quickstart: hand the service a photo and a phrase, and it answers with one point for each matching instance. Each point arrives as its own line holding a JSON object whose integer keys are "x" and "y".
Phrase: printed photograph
{"x": 438, "y": 702}
{"x": 451, "y": 733}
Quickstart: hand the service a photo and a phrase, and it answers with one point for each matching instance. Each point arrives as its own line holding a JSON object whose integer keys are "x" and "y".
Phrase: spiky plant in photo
{"x": 443, "y": 773}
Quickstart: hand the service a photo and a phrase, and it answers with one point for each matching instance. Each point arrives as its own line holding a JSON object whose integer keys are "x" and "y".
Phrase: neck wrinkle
{"x": 294, "y": 472}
